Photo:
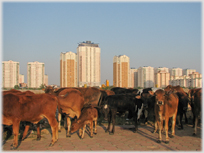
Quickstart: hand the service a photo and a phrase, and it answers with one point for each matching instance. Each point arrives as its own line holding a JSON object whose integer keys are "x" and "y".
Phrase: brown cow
{"x": 33, "y": 108}
{"x": 92, "y": 95}
{"x": 28, "y": 124}
{"x": 70, "y": 104}
{"x": 166, "y": 105}
{"x": 88, "y": 116}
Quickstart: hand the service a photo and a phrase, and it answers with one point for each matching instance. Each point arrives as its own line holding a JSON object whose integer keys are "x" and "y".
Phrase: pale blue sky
{"x": 157, "y": 34}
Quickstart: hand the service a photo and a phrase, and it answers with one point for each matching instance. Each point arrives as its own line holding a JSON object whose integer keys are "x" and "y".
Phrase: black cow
{"x": 196, "y": 108}
{"x": 121, "y": 104}
{"x": 148, "y": 104}
{"x": 183, "y": 102}
{"x": 119, "y": 90}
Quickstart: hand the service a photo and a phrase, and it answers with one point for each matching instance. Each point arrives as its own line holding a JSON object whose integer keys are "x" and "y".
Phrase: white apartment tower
{"x": 35, "y": 74}
{"x": 162, "y": 79}
{"x": 10, "y": 74}
{"x": 121, "y": 73}
{"x": 68, "y": 69}
{"x": 187, "y": 72}
{"x": 176, "y": 72}
{"x": 89, "y": 64}
{"x": 145, "y": 77}
{"x": 133, "y": 78}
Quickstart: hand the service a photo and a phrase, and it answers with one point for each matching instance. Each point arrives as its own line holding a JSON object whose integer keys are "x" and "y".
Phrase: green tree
{"x": 42, "y": 86}
{"x": 16, "y": 87}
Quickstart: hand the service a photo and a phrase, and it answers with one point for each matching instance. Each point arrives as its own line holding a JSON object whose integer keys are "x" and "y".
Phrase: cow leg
{"x": 16, "y": 124}
{"x": 159, "y": 122}
{"x": 195, "y": 125}
{"x": 59, "y": 121}
{"x": 167, "y": 129}
{"x": 80, "y": 132}
{"x": 68, "y": 126}
{"x": 95, "y": 129}
{"x": 83, "y": 131}
{"x": 136, "y": 126}
{"x": 186, "y": 119}
{"x": 181, "y": 117}
{"x": 91, "y": 129}
{"x": 25, "y": 131}
{"x": 109, "y": 121}
{"x": 173, "y": 125}
{"x": 155, "y": 126}
{"x": 146, "y": 116}
{"x": 53, "y": 124}
{"x": 38, "y": 132}
{"x": 113, "y": 122}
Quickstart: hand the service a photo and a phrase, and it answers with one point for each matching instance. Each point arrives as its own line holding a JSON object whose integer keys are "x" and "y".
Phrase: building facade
{"x": 146, "y": 77}
{"x": 89, "y": 64}
{"x": 21, "y": 78}
{"x": 121, "y": 73}
{"x": 46, "y": 80}
{"x": 133, "y": 78}
{"x": 68, "y": 69}
{"x": 187, "y": 72}
{"x": 176, "y": 72}
{"x": 162, "y": 78}
{"x": 196, "y": 80}
{"x": 10, "y": 74}
{"x": 35, "y": 74}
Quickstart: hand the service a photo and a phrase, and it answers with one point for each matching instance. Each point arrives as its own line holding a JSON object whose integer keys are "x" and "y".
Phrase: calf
{"x": 166, "y": 105}
{"x": 88, "y": 116}
{"x": 121, "y": 103}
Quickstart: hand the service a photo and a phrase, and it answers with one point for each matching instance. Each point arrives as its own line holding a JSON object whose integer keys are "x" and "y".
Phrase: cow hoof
{"x": 13, "y": 148}
{"x": 68, "y": 136}
{"x": 38, "y": 138}
{"x": 91, "y": 136}
{"x": 51, "y": 144}
{"x": 167, "y": 142}
{"x": 106, "y": 131}
{"x": 81, "y": 138}
{"x": 158, "y": 141}
{"x": 95, "y": 133}
{"x": 194, "y": 134}
{"x": 59, "y": 130}
{"x": 171, "y": 136}
{"x": 111, "y": 133}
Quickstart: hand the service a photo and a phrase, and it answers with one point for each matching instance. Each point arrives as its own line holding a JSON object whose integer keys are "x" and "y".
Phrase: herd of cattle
{"x": 85, "y": 105}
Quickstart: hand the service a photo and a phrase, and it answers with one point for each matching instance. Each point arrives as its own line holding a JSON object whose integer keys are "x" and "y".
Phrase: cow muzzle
{"x": 160, "y": 103}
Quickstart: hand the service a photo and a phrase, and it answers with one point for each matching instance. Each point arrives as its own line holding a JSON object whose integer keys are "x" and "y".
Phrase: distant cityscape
{"x": 83, "y": 68}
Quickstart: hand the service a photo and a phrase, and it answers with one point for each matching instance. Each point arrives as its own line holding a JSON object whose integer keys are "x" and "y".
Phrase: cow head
{"x": 76, "y": 125}
{"x": 160, "y": 97}
{"x": 147, "y": 100}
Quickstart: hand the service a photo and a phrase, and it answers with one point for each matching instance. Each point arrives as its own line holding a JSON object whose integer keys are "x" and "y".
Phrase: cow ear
{"x": 138, "y": 97}
{"x": 151, "y": 93}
